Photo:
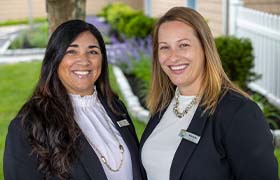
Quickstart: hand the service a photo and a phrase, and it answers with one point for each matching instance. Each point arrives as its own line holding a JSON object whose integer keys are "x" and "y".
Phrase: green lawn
{"x": 16, "y": 85}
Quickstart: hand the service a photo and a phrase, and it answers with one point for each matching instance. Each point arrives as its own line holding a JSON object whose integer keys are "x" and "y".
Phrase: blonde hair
{"x": 215, "y": 81}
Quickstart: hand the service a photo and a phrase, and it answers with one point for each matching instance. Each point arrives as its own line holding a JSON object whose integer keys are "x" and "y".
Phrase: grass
{"x": 16, "y": 85}
{"x": 22, "y": 21}
{"x": 277, "y": 154}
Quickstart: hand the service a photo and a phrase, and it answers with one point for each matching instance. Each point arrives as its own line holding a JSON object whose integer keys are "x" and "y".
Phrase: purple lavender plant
{"x": 123, "y": 52}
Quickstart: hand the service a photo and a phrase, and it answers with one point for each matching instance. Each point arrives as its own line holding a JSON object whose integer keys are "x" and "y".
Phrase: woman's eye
{"x": 93, "y": 52}
{"x": 163, "y": 47}
{"x": 71, "y": 52}
{"x": 184, "y": 45}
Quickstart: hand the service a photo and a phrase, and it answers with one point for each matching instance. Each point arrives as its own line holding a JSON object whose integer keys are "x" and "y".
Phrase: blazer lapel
{"x": 153, "y": 122}
{"x": 186, "y": 147}
{"x": 90, "y": 161}
{"x": 128, "y": 136}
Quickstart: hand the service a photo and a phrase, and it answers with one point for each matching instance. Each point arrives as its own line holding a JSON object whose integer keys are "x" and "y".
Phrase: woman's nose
{"x": 174, "y": 55}
{"x": 83, "y": 59}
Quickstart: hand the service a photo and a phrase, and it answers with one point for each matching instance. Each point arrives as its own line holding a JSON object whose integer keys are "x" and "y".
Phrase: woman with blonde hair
{"x": 202, "y": 126}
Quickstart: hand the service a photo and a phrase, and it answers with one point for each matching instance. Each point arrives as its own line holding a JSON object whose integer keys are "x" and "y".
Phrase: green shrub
{"x": 35, "y": 38}
{"x": 118, "y": 11}
{"x": 139, "y": 26}
{"x": 237, "y": 59}
{"x": 39, "y": 36}
{"x": 18, "y": 42}
{"x": 270, "y": 112}
{"x": 141, "y": 69}
{"x": 126, "y": 20}
{"x": 104, "y": 11}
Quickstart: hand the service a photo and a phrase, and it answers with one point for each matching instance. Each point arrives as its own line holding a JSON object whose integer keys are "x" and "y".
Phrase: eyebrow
{"x": 90, "y": 46}
{"x": 184, "y": 39}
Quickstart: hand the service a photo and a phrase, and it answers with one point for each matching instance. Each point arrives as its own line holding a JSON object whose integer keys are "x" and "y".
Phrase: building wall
{"x": 19, "y": 9}
{"x": 212, "y": 10}
{"x": 159, "y": 7}
{"x": 269, "y": 6}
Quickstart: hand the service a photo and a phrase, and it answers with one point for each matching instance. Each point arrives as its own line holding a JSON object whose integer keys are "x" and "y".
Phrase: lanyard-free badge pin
{"x": 189, "y": 136}
{"x": 123, "y": 123}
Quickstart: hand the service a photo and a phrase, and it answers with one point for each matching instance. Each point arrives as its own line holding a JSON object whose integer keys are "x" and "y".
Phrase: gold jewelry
{"x": 176, "y": 105}
{"x": 102, "y": 157}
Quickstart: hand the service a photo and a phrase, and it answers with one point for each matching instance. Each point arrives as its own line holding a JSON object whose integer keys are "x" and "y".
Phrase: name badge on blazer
{"x": 189, "y": 136}
{"x": 123, "y": 123}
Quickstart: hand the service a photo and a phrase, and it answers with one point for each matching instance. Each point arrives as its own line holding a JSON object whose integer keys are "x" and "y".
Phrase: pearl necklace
{"x": 102, "y": 157}
{"x": 176, "y": 105}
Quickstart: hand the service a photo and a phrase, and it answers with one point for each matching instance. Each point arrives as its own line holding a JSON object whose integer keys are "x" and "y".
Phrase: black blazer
{"x": 235, "y": 144}
{"x": 19, "y": 165}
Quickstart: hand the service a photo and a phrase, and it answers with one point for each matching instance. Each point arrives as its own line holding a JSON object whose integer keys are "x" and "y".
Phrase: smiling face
{"x": 181, "y": 56}
{"x": 81, "y": 65}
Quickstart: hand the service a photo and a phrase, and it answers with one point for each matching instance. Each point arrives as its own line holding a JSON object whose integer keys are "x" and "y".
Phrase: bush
{"x": 141, "y": 73}
{"x": 237, "y": 59}
{"x": 118, "y": 11}
{"x": 126, "y": 20}
{"x": 36, "y": 38}
{"x": 139, "y": 26}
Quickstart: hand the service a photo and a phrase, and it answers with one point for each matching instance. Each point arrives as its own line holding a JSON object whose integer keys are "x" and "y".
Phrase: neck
{"x": 188, "y": 92}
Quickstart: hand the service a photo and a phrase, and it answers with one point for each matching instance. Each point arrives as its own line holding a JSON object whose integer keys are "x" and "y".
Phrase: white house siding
{"x": 269, "y": 6}
{"x": 159, "y": 7}
{"x": 212, "y": 10}
{"x": 18, "y": 9}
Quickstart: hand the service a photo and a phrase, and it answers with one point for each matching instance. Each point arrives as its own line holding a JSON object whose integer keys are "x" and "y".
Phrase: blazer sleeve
{"x": 249, "y": 145}
{"x": 18, "y": 163}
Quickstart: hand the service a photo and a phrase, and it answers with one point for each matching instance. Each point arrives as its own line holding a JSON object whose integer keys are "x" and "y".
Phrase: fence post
{"x": 233, "y": 15}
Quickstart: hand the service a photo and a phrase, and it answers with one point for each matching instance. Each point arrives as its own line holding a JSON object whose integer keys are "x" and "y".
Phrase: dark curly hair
{"x": 48, "y": 116}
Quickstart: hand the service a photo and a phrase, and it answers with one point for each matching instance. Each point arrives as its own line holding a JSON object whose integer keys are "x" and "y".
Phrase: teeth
{"x": 81, "y": 72}
{"x": 178, "y": 67}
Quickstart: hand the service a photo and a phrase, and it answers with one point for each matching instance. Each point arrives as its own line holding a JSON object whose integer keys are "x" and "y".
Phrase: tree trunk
{"x": 60, "y": 11}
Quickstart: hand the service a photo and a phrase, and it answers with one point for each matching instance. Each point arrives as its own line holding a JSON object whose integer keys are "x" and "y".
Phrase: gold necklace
{"x": 176, "y": 105}
{"x": 102, "y": 157}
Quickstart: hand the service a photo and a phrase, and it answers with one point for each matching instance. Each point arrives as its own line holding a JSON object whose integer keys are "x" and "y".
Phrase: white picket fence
{"x": 264, "y": 32}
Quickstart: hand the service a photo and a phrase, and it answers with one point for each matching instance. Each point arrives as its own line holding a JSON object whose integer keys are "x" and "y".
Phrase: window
{"x": 191, "y": 4}
{"x": 148, "y": 7}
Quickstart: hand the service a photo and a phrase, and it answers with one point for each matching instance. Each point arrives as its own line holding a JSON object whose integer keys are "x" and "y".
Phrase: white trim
{"x": 270, "y": 97}
{"x": 132, "y": 101}
{"x": 258, "y": 29}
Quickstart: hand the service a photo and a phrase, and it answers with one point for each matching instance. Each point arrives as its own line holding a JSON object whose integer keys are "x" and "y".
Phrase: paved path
{"x": 7, "y": 33}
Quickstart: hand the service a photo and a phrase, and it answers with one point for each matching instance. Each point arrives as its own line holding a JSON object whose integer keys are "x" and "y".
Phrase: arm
{"x": 249, "y": 147}
{"x": 18, "y": 163}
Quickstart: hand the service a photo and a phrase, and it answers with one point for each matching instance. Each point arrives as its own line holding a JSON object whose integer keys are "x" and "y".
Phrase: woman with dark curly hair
{"x": 73, "y": 126}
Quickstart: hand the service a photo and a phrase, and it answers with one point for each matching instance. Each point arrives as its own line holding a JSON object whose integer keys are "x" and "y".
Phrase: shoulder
{"x": 234, "y": 108}
{"x": 232, "y": 102}
{"x": 15, "y": 126}
{"x": 16, "y": 133}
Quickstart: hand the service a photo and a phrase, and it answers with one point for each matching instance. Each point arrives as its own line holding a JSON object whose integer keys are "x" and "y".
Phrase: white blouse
{"x": 159, "y": 149}
{"x": 91, "y": 118}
